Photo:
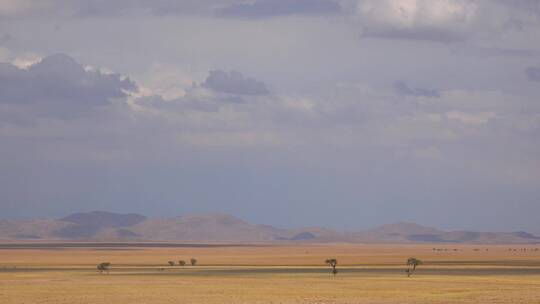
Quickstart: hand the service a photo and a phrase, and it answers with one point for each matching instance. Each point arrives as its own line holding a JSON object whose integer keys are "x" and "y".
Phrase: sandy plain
{"x": 269, "y": 273}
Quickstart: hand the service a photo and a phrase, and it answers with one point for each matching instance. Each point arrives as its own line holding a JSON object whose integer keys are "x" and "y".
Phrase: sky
{"x": 339, "y": 113}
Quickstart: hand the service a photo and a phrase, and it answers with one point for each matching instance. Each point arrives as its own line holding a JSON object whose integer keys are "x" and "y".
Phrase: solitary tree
{"x": 333, "y": 264}
{"x": 105, "y": 266}
{"x": 171, "y": 263}
{"x": 193, "y": 261}
{"x": 412, "y": 262}
{"x": 182, "y": 263}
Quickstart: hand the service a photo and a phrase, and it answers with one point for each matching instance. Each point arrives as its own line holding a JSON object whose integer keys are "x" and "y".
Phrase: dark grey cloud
{"x": 425, "y": 33}
{"x": 533, "y": 73}
{"x": 529, "y": 6}
{"x": 197, "y": 7}
{"x": 231, "y": 87}
{"x": 403, "y": 89}
{"x": 5, "y": 38}
{"x": 270, "y": 8}
{"x": 483, "y": 52}
{"x": 233, "y": 82}
{"x": 60, "y": 85}
{"x": 103, "y": 8}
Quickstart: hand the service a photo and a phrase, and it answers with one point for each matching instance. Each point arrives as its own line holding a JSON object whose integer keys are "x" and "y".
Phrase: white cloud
{"x": 413, "y": 13}
{"x": 24, "y": 61}
{"x": 440, "y": 20}
{"x": 168, "y": 80}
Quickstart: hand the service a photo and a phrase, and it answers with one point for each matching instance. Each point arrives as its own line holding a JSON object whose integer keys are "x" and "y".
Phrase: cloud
{"x": 60, "y": 86}
{"x": 442, "y": 20}
{"x": 271, "y": 8}
{"x": 471, "y": 118}
{"x": 420, "y": 33}
{"x": 4, "y": 38}
{"x": 531, "y": 7}
{"x": 437, "y": 20}
{"x": 104, "y": 8}
{"x": 403, "y": 89}
{"x": 484, "y": 52}
{"x": 234, "y": 82}
{"x": 197, "y": 7}
{"x": 4, "y": 54}
{"x": 533, "y": 73}
{"x": 11, "y": 8}
{"x": 428, "y": 153}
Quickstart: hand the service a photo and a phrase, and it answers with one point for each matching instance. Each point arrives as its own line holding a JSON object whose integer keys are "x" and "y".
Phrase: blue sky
{"x": 345, "y": 114}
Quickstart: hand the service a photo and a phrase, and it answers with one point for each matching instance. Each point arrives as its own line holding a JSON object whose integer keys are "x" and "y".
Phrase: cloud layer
{"x": 392, "y": 110}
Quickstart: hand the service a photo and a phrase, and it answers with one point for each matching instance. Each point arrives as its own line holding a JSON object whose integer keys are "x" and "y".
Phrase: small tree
{"x": 193, "y": 261}
{"x": 332, "y": 263}
{"x": 171, "y": 263}
{"x": 105, "y": 266}
{"x": 182, "y": 263}
{"x": 412, "y": 262}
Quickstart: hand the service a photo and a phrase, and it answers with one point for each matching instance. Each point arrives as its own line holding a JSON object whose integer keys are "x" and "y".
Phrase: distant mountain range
{"x": 107, "y": 226}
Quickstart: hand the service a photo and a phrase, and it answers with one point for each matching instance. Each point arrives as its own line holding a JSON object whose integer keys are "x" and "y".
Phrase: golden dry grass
{"x": 273, "y": 274}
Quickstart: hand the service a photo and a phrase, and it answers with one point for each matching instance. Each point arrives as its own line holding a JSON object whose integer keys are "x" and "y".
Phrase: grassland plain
{"x": 271, "y": 274}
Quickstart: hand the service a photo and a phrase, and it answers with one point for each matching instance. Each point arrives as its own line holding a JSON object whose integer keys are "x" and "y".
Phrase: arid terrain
{"x": 215, "y": 227}
{"x": 450, "y": 273}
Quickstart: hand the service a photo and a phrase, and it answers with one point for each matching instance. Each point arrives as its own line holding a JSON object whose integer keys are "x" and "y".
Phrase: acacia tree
{"x": 193, "y": 261}
{"x": 333, "y": 264}
{"x": 412, "y": 262}
{"x": 171, "y": 263}
{"x": 105, "y": 266}
{"x": 182, "y": 263}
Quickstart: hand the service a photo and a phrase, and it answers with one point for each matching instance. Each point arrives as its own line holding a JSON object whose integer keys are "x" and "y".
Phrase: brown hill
{"x": 106, "y": 226}
{"x": 30, "y": 229}
{"x": 487, "y": 237}
{"x": 204, "y": 228}
{"x": 98, "y": 224}
{"x": 104, "y": 219}
{"x": 398, "y": 232}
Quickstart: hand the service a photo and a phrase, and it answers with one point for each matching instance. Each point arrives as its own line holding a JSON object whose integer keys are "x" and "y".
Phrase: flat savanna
{"x": 271, "y": 274}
